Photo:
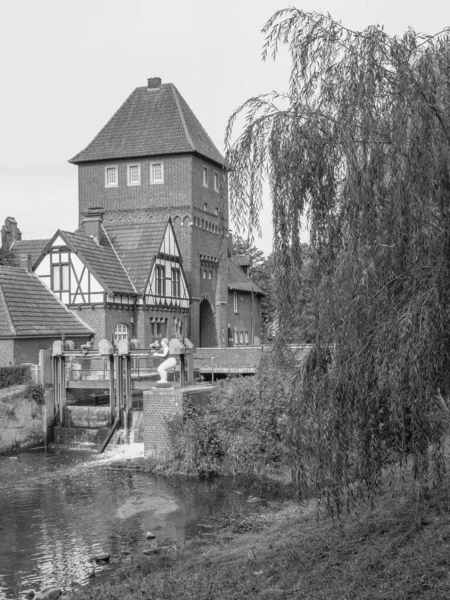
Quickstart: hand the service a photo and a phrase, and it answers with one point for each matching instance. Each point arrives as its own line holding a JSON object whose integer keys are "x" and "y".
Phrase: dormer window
{"x": 134, "y": 174}
{"x": 111, "y": 176}
{"x": 156, "y": 172}
{"x": 205, "y": 176}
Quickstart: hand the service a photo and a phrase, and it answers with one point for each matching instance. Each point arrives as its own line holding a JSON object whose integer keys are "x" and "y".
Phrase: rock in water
{"x": 102, "y": 557}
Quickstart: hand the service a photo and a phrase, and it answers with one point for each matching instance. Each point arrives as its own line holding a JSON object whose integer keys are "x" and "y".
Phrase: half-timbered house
{"x": 125, "y": 282}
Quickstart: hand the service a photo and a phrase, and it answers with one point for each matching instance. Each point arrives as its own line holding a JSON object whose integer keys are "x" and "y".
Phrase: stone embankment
{"x": 22, "y": 420}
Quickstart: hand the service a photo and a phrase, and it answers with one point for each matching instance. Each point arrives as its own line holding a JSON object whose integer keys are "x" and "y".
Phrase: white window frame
{"x": 205, "y": 177}
{"x": 154, "y": 181}
{"x": 129, "y": 167}
{"x": 235, "y": 302}
{"x": 116, "y": 169}
{"x": 121, "y": 332}
{"x": 216, "y": 181}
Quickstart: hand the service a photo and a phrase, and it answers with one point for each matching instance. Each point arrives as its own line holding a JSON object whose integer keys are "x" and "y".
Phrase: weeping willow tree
{"x": 360, "y": 146}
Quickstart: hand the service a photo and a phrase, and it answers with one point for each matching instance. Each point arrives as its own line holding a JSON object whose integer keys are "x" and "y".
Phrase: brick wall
{"x": 161, "y": 405}
{"x": 6, "y": 353}
{"x": 199, "y": 214}
{"x": 174, "y": 192}
{"x": 96, "y": 319}
{"x": 243, "y": 319}
{"x": 226, "y": 358}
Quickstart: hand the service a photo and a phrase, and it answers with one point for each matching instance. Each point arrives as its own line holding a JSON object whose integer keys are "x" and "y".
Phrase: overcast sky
{"x": 68, "y": 65}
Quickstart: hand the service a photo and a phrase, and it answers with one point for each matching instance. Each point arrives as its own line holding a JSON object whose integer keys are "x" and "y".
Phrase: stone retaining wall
{"x": 23, "y": 421}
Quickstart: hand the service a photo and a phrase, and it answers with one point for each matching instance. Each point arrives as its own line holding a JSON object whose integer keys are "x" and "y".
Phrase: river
{"x": 60, "y": 508}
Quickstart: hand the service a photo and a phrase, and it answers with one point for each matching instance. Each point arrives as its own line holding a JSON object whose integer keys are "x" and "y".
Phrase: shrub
{"x": 35, "y": 392}
{"x": 240, "y": 431}
{"x": 14, "y": 376}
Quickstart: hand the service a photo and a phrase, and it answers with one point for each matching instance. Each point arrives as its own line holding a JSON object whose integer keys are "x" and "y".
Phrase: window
{"x": 235, "y": 299}
{"x": 216, "y": 212}
{"x": 205, "y": 176}
{"x": 121, "y": 332}
{"x": 134, "y": 175}
{"x": 241, "y": 337}
{"x": 205, "y": 206}
{"x": 204, "y": 274}
{"x": 216, "y": 181}
{"x": 60, "y": 278}
{"x": 111, "y": 177}
{"x": 160, "y": 278}
{"x": 158, "y": 328}
{"x": 176, "y": 286}
{"x": 246, "y": 337}
{"x": 156, "y": 172}
{"x": 210, "y": 274}
{"x": 236, "y": 338}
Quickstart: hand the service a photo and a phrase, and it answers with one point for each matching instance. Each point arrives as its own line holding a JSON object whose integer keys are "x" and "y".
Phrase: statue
{"x": 169, "y": 363}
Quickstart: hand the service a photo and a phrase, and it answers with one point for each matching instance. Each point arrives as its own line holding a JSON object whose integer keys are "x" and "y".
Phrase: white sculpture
{"x": 168, "y": 363}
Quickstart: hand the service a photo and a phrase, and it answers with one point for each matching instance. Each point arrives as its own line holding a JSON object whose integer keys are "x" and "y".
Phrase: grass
{"x": 375, "y": 554}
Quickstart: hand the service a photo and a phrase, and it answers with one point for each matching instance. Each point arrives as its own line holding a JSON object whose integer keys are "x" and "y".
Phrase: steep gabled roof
{"x": 137, "y": 244}
{"x": 32, "y": 247}
{"x": 151, "y": 122}
{"x": 29, "y": 309}
{"x": 102, "y": 261}
{"x": 238, "y": 280}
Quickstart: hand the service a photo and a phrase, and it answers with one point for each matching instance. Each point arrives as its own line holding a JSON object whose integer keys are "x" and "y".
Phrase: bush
{"x": 241, "y": 430}
{"x": 14, "y": 376}
{"x": 35, "y": 392}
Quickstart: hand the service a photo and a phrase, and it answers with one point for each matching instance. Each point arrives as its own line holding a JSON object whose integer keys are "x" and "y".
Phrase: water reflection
{"x": 60, "y": 508}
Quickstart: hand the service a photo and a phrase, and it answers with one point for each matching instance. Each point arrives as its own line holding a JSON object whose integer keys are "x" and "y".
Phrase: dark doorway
{"x": 208, "y": 337}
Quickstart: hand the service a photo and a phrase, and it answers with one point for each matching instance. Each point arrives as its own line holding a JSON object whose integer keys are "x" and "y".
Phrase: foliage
{"x": 240, "y": 431}
{"x": 35, "y": 391}
{"x": 14, "y": 376}
{"x": 360, "y": 144}
{"x": 5, "y": 257}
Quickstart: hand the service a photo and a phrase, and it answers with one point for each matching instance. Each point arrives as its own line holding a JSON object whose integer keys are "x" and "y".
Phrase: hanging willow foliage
{"x": 360, "y": 145}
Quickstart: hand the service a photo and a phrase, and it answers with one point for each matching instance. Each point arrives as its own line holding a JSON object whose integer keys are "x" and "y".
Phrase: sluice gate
{"x": 97, "y": 390}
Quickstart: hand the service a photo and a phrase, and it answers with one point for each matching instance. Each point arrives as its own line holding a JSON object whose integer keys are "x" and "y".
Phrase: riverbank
{"x": 283, "y": 551}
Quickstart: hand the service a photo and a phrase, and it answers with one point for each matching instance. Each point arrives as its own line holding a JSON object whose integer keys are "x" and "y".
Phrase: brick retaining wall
{"x": 161, "y": 405}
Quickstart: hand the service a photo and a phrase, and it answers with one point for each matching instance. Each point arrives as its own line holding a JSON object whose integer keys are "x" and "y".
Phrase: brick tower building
{"x": 154, "y": 160}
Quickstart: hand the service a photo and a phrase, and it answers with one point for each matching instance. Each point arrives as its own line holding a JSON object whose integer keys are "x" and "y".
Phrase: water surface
{"x": 59, "y": 508}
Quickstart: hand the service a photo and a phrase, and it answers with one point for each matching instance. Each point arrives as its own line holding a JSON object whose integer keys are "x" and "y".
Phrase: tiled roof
{"x": 137, "y": 244}
{"x": 102, "y": 261}
{"x": 29, "y": 309}
{"x": 32, "y": 247}
{"x": 151, "y": 122}
{"x": 238, "y": 280}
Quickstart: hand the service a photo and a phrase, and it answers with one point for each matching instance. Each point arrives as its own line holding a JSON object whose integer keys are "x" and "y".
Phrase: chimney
{"x": 10, "y": 233}
{"x": 92, "y": 223}
{"x": 25, "y": 262}
{"x": 153, "y": 83}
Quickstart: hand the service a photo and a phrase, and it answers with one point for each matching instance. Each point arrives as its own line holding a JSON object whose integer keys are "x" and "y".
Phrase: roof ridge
{"x": 118, "y": 258}
{"x": 8, "y": 316}
{"x": 176, "y": 94}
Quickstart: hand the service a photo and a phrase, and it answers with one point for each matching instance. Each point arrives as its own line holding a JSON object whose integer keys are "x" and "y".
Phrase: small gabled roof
{"x": 102, "y": 261}
{"x": 32, "y": 247}
{"x": 238, "y": 280}
{"x": 29, "y": 309}
{"x": 137, "y": 245}
{"x": 151, "y": 122}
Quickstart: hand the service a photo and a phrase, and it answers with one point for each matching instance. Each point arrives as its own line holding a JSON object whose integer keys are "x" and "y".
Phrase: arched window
{"x": 121, "y": 332}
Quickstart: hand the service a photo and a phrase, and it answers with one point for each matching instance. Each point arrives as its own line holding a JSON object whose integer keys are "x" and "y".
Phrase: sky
{"x": 68, "y": 65}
